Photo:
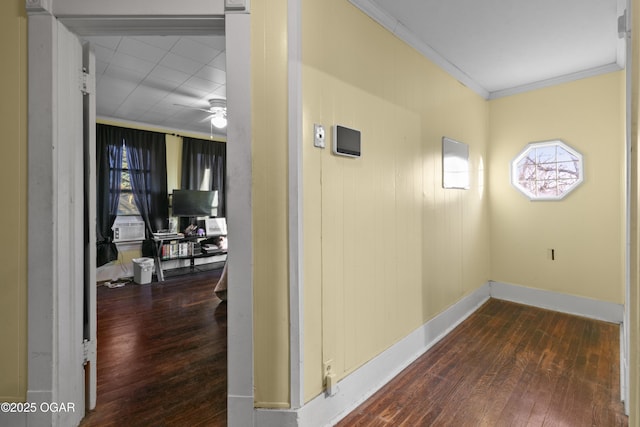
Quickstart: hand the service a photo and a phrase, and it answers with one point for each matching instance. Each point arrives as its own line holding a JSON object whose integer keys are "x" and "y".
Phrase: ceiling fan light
{"x": 219, "y": 120}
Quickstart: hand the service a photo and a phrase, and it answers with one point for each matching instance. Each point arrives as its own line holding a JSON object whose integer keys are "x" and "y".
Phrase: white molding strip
{"x": 296, "y": 301}
{"x": 396, "y": 27}
{"x": 375, "y": 12}
{"x": 363, "y": 383}
{"x": 556, "y": 81}
{"x": 240, "y": 357}
{"x": 571, "y": 304}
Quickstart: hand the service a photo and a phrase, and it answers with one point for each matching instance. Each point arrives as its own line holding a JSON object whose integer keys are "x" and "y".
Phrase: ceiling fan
{"x": 217, "y": 112}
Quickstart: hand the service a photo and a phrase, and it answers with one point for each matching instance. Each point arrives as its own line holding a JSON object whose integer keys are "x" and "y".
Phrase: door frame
{"x": 45, "y": 372}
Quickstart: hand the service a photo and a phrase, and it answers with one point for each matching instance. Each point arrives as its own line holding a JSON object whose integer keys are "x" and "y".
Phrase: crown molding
{"x": 398, "y": 29}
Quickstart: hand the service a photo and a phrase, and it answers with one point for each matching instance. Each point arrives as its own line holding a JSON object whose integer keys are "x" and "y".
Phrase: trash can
{"x": 142, "y": 268}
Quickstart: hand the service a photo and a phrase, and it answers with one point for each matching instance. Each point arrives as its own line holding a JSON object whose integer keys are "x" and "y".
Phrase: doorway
{"x": 45, "y": 379}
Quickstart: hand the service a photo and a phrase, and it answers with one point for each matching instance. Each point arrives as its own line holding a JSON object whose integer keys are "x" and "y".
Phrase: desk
{"x": 168, "y": 248}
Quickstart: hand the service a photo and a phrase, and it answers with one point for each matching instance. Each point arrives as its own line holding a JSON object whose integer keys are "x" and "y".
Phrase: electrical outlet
{"x": 330, "y": 382}
{"x": 318, "y": 136}
{"x": 326, "y": 367}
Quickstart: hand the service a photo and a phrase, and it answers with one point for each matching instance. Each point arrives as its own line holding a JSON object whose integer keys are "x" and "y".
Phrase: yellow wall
{"x": 269, "y": 198}
{"x": 586, "y": 228}
{"x": 13, "y": 254}
{"x": 385, "y": 247}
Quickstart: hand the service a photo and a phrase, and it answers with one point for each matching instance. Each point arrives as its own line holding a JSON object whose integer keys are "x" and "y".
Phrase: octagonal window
{"x": 547, "y": 170}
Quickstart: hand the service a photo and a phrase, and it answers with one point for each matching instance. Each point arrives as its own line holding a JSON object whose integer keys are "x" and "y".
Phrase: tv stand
{"x": 172, "y": 246}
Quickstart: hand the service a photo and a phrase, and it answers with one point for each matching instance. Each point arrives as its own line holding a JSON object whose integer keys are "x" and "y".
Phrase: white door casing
{"x": 56, "y": 218}
{"x": 90, "y": 250}
{"x": 51, "y": 214}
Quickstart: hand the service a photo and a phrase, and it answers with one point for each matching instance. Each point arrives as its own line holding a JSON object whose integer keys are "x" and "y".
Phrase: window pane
{"x": 568, "y": 170}
{"x": 526, "y": 169}
{"x": 529, "y": 187}
{"x": 566, "y": 156}
{"x": 547, "y": 188}
{"x": 546, "y": 154}
{"x": 546, "y": 171}
{"x": 126, "y": 204}
{"x": 125, "y": 181}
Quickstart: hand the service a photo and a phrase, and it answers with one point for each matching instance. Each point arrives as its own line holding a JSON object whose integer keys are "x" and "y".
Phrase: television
{"x": 193, "y": 203}
{"x": 346, "y": 141}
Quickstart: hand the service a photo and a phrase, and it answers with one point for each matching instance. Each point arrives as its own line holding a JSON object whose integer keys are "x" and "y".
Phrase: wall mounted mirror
{"x": 455, "y": 164}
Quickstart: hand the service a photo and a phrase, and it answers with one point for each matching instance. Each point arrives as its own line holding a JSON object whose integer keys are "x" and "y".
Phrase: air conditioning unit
{"x": 128, "y": 228}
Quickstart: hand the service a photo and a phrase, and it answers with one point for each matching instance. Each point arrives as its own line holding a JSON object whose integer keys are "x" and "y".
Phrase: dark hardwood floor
{"x": 162, "y": 357}
{"x": 507, "y": 365}
{"x": 162, "y": 354}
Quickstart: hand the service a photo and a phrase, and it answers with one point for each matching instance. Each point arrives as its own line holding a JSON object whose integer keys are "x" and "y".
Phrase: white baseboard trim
{"x": 364, "y": 382}
{"x": 360, "y": 385}
{"x": 240, "y": 410}
{"x": 571, "y": 304}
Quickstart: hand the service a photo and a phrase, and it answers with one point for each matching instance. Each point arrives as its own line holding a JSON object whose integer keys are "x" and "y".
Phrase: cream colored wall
{"x": 269, "y": 198}
{"x": 385, "y": 247}
{"x": 586, "y": 229}
{"x": 13, "y": 267}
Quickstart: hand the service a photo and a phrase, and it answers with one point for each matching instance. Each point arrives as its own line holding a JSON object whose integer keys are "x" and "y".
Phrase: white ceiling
{"x": 495, "y": 47}
{"x": 153, "y": 79}
{"x": 499, "y": 47}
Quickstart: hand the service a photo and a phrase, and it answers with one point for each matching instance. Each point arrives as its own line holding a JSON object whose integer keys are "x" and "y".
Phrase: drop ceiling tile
{"x": 214, "y": 42}
{"x": 168, "y": 75}
{"x": 199, "y": 52}
{"x": 195, "y": 94}
{"x": 104, "y": 54}
{"x": 125, "y": 74}
{"x": 116, "y": 87}
{"x": 212, "y": 74}
{"x": 180, "y": 63}
{"x": 147, "y": 97}
{"x": 219, "y": 62}
{"x": 131, "y": 110}
{"x": 101, "y": 66}
{"x": 141, "y": 50}
{"x": 201, "y": 84}
{"x": 173, "y": 100}
{"x": 220, "y": 92}
{"x": 132, "y": 63}
{"x": 162, "y": 42}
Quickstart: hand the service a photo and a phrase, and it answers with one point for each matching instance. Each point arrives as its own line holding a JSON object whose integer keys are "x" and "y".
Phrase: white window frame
{"x": 544, "y": 144}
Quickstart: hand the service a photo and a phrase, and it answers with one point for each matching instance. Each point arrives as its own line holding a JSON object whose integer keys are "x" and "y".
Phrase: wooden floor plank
{"x": 507, "y": 365}
{"x": 162, "y": 362}
{"x": 162, "y": 354}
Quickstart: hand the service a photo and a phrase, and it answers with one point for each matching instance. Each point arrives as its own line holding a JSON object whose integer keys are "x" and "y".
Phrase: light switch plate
{"x": 318, "y": 136}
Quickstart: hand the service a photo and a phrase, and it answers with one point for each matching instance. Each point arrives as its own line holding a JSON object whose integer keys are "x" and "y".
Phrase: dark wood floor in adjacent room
{"x": 162, "y": 354}
{"x": 507, "y": 365}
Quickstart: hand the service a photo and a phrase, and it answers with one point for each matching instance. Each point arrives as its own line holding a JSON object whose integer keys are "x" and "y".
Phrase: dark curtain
{"x": 108, "y": 174}
{"x": 198, "y": 155}
{"x": 147, "y": 156}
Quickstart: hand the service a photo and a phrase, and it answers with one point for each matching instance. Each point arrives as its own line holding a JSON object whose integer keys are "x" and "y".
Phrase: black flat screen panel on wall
{"x": 346, "y": 141}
